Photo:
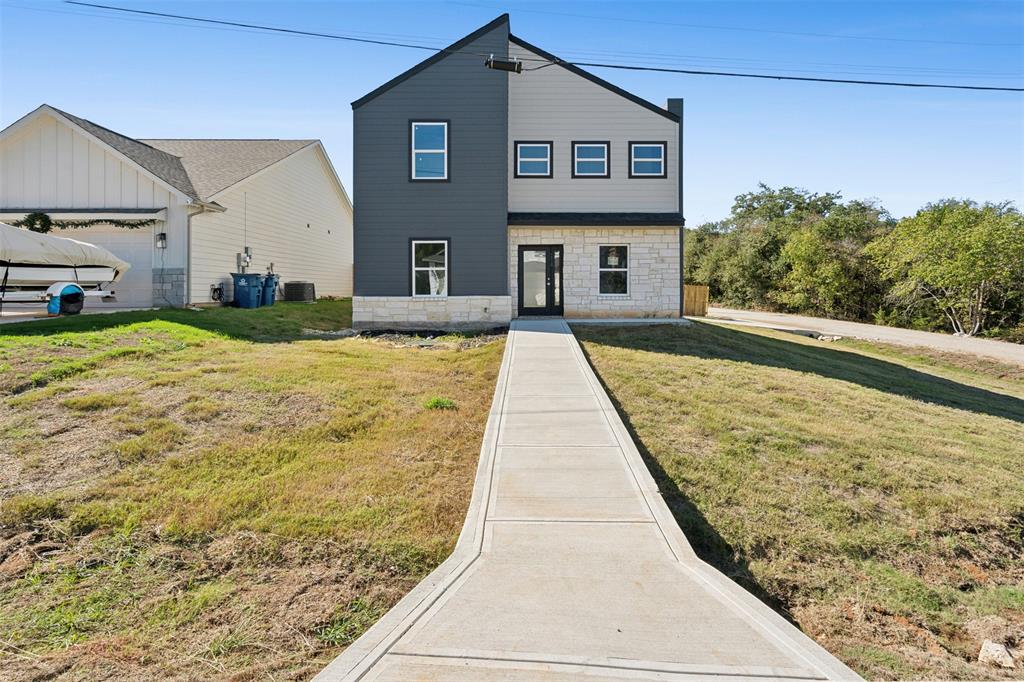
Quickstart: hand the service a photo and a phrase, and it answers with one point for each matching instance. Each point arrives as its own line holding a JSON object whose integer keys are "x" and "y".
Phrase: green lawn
{"x": 219, "y": 493}
{"x": 873, "y": 494}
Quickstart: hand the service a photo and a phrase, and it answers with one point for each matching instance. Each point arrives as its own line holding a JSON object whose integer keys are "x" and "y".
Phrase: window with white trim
{"x": 590, "y": 160}
{"x": 533, "y": 160}
{"x": 647, "y": 160}
{"x": 430, "y": 267}
{"x": 429, "y": 153}
{"x": 613, "y": 270}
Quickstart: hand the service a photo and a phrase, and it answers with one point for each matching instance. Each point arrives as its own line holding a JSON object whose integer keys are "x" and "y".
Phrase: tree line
{"x": 955, "y": 265}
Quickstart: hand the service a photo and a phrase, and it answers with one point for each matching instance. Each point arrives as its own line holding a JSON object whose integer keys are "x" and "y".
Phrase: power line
{"x": 625, "y": 67}
{"x": 849, "y": 81}
{"x": 747, "y": 29}
{"x": 640, "y": 58}
{"x": 274, "y": 29}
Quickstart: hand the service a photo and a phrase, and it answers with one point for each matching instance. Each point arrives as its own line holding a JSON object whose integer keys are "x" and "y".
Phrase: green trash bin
{"x": 248, "y": 289}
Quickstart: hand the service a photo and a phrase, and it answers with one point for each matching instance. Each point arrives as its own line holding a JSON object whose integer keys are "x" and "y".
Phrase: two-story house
{"x": 484, "y": 194}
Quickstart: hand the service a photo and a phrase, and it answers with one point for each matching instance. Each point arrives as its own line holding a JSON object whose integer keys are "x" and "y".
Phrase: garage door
{"x": 135, "y": 289}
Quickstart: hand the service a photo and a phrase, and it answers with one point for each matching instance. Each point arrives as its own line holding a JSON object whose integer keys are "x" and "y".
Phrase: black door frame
{"x": 549, "y": 287}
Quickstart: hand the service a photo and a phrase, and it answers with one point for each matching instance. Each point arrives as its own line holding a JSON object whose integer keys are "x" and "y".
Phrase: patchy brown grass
{"x": 871, "y": 493}
{"x": 217, "y": 507}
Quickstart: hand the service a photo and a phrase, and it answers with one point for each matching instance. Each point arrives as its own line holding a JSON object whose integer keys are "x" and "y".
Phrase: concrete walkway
{"x": 570, "y": 564}
{"x": 989, "y": 348}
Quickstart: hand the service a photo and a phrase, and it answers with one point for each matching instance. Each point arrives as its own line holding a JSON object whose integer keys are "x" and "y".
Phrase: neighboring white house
{"x": 206, "y": 200}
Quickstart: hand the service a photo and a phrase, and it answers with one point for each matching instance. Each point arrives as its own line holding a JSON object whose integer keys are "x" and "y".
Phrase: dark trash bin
{"x": 269, "y": 289}
{"x": 248, "y": 289}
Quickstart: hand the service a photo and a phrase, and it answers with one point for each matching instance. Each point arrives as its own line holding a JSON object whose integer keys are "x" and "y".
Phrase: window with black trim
{"x": 429, "y": 150}
{"x": 430, "y": 267}
{"x": 591, "y": 160}
{"x": 613, "y": 270}
{"x": 647, "y": 160}
{"x": 533, "y": 160}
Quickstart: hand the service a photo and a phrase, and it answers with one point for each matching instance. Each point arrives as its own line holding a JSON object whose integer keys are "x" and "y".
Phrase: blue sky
{"x": 905, "y": 147}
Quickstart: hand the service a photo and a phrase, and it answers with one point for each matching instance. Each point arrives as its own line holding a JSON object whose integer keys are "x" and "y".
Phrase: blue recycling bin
{"x": 248, "y": 289}
{"x": 269, "y": 289}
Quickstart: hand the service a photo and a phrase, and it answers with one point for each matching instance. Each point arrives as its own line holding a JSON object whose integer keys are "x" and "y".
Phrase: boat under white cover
{"x": 34, "y": 260}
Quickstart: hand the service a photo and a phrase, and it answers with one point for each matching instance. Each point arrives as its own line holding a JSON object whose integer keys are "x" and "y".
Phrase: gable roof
{"x": 165, "y": 166}
{"x": 214, "y": 165}
{"x": 594, "y": 79}
{"x": 197, "y": 168}
{"x": 487, "y": 28}
{"x": 433, "y": 59}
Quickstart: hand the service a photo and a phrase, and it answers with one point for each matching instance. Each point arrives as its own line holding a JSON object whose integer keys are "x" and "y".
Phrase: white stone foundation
{"x": 448, "y": 312}
{"x": 653, "y": 269}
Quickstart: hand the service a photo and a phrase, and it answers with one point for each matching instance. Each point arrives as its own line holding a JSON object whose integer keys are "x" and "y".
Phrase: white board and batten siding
{"x": 557, "y": 105}
{"x": 269, "y": 213}
{"x": 48, "y": 163}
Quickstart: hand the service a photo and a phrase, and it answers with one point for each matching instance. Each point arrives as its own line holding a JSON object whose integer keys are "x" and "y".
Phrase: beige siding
{"x": 50, "y": 164}
{"x": 270, "y": 213}
{"x": 556, "y": 104}
{"x": 47, "y": 163}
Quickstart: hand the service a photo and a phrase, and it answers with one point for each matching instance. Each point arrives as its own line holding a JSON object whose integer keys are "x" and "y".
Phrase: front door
{"x": 540, "y": 280}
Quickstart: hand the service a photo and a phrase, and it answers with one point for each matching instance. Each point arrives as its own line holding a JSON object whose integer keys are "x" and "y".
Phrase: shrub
{"x": 439, "y": 403}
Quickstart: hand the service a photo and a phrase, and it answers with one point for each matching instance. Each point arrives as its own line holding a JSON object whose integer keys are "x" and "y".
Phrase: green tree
{"x": 966, "y": 260}
{"x": 827, "y": 271}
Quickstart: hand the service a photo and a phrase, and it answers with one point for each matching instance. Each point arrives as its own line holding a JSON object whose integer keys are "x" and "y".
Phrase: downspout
{"x": 204, "y": 207}
{"x": 675, "y": 106}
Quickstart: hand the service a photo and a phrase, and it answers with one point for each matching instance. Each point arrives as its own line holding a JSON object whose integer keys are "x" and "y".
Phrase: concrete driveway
{"x": 996, "y": 350}
{"x": 570, "y": 564}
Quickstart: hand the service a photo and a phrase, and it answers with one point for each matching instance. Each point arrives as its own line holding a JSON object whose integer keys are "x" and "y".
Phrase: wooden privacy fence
{"x": 695, "y": 300}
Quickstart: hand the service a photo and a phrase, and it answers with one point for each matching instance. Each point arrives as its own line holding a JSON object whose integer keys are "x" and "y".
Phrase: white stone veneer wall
{"x": 653, "y": 269}
{"x": 450, "y": 312}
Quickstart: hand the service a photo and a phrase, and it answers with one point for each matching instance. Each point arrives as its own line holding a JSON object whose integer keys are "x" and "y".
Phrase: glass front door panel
{"x": 556, "y": 290}
{"x": 535, "y": 267}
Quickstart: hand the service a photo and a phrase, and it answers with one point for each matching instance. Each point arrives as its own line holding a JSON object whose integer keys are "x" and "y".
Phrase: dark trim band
{"x": 596, "y": 219}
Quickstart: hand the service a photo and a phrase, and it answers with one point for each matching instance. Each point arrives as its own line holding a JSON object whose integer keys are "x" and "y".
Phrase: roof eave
{"x": 430, "y": 61}
{"x": 59, "y": 115}
{"x": 595, "y": 79}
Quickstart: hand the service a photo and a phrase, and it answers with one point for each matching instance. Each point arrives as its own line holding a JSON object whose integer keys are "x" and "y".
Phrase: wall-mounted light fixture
{"x": 513, "y": 65}
{"x": 161, "y": 240}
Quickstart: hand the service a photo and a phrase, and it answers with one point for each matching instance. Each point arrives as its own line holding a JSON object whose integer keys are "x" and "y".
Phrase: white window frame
{"x": 607, "y": 159}
{"x": 548, "y": 173}
{"x": 413, "y": 151}
{"x": 663, "y": 173}
{"x": 601, "y": 269}
{"x": 416, "y": 268}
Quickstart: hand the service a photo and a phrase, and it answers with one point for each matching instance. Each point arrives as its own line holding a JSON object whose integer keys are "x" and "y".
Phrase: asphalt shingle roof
{"x": 214, "y": 165}
{"x": 198, "y": 168}
{"x": 165, "y": 166}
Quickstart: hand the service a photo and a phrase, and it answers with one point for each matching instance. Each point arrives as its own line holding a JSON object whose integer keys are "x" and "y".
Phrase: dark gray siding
{"x": 470, "y": 210}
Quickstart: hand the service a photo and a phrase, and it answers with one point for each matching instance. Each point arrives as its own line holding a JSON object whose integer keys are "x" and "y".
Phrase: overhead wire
{"x": 592, "y": 64}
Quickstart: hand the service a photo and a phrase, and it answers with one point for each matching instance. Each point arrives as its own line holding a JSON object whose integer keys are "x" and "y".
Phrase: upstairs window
{"x": 430, "y": 267}
{"x": 613, "y": 270}
{"x": 429, "y": 150}
{"x": 647, "y": 160}
{"x": 533, "y": 160}
{"x": 591, "y": 160}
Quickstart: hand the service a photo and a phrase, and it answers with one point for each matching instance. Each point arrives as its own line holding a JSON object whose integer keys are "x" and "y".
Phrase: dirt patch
{"x": 57, "y": 447}
{"x": 435, "y": 340}
{"x": 254, "y": 605}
